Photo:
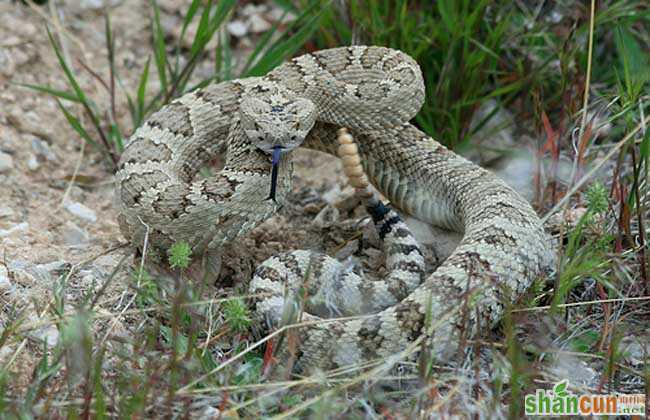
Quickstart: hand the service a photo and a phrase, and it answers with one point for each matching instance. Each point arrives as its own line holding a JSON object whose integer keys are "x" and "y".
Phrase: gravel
{"x": 82, "y": 212}
{"x": 6, "y": 162}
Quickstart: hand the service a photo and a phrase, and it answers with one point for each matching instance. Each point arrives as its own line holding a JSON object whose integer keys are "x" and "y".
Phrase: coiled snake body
{"x": 373, "y": 91}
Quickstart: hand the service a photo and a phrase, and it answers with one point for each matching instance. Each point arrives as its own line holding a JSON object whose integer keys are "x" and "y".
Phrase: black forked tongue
{"x": 275, "y": 160}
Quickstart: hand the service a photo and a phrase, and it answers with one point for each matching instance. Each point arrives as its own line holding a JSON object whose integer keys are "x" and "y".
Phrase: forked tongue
{"x": 275, "y": 160}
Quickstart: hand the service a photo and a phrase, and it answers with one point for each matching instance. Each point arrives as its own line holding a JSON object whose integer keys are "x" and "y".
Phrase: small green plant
{"x": 596, "y": 196}
{"x": 585, "y": 254}
{"x": 180, "y": 255}
{"x": 237, "y": 315}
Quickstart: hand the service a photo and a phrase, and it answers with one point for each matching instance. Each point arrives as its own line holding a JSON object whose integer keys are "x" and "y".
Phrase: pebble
{"x": 5, "y": 283}
{"x": 56, "y": 268}
{"x": 6, "y": 162}
{"x": 81, "y": 211}
{"x": 49, "y": 334}
{"x": 73, "y": 235}
{"x": 237, "y": 28}
{"x": 327, "y": 217}
{"x": 258, "y": 24}
{"x": 97, "y": 4}
{"x": 27, "y": 273}
{"x": 32, "y": 163}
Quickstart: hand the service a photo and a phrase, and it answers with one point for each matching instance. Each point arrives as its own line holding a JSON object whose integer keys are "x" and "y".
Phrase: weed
{"x": 180, "y": 255}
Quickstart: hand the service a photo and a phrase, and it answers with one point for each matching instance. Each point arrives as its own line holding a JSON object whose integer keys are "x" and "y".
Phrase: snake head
{"x": 277, "y": 122}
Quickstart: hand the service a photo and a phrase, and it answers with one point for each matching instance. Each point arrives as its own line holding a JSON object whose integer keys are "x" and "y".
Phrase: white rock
{"x": 81, "y": 211}
{"x": 327, "y": 217}
{"x": 91, "y": 4}
{"x": 5, "y": 283}
{"x": 20, "y": 227}
{"x": 5, "y": 352}
{"x": 32, "y": 163}
{"x": 55, "y": 268}
{"x": 49, "y": 334}
{"x": 237, "y": 28}
{"x": 81, "y": 6}
{"x": 6, "y": 162}
{"x": 257, "y": 24}
{"x": 73, "y": 235}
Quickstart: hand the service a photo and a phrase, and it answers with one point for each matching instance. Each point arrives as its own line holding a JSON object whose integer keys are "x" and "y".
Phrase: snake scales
{"x": 374, "y": 91}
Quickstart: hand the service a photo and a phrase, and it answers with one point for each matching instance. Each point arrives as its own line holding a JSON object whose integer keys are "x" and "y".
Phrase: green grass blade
{"x": 142, "y": 90}
{"x": 63, "y": 94}
{"x": 68, "y": 73}
{"x": 160, "y": 53}
{"x": 76, "y": 125}
{"x": 633, "y": 61}
{"x": 115, "y": 134}
{"x": 191, "y": 11}
{"x": 201, "y": 30}
{"x": 261, "y": 44}
{"x": 223, "y": 58}
{"x": 203, "y": 37}
{"x": 281, "y": 50}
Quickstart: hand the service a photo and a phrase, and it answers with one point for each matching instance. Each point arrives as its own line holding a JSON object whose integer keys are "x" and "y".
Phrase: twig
{"x": 77, "y": 166}
{"x": 590, "y": 302}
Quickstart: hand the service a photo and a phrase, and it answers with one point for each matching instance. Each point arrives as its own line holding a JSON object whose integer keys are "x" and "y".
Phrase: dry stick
{"x": 585, "y": 102}
{"x": 73, "y": 178}
{"x": 591, "y": 302}
{"x": 15, "y": 355}
{"x": 641, "y": 255}
{"x": 55, "y": 22}
{"x": 595, "y": 168}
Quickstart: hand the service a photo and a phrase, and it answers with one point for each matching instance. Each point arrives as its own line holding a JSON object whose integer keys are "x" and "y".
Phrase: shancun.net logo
{"x": 561, "y": 402}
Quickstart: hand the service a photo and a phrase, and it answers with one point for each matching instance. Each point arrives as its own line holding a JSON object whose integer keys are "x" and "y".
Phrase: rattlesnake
{"x": 374, "y": 91}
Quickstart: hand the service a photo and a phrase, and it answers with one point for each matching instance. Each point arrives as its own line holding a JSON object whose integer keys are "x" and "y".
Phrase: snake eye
{"x": 293, "y": 138}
